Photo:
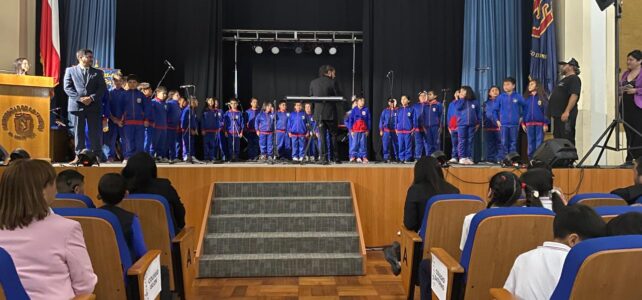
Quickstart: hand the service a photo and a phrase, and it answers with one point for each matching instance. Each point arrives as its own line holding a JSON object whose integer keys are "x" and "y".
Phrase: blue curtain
{"x": 492, "y": 44}
{"x": 91, "y": 24}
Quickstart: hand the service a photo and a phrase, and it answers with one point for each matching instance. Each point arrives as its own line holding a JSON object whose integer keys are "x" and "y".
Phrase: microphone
{"x": 169, "y": 64}
{"x": 187, "y": 86}
{"x": 389, "y": 73}
{"x": 445, "y": 90}
{"x": 482, "y": 68}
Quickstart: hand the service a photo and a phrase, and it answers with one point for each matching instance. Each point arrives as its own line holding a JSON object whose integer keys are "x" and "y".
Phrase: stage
{"x": 380, "y": 188}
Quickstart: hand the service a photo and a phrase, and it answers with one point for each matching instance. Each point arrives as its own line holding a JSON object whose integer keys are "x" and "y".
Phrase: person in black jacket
{"x": 141, "y": 175}
{"x": 325, "y": 113}
{"x": 631, "y": 193}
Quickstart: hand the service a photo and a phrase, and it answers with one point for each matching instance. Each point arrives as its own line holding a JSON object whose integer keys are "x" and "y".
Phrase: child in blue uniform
{"x": 297, "y": 131}
{"x": 359, "y": 123}
{"x": 283, "y": 146}
{"x": 508, "y": 115}
{"x": 134, "y": 111}
{"x": 264, "y": 124}
{"x": 174, "y": 140}
{"x": 387, "y": 131}
{"x": 249, "y": 131}
{"x": 420, "y": 134}
{"x": 312, "y": 152}
{"x": 189, "y": 127}
{"x": 431, "y": 117}
{"x": 451, "y": 119}
{"x": 233, "y": 119}
{"x": 492, "y": 138}
{"x": 346, "y": 121}
{"x": 535, "y": 121}
{"x": 115, "y": 126}
{"x": 406, "y": 123}
{"x": 212, "y": 122}
{"x": 158, "y": 148}
{"x": 467, "y": 124}
{"x": 146, "y": 89}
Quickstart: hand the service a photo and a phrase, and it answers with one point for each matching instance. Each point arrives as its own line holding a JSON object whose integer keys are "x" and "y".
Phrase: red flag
{"x": 50, "y": 39}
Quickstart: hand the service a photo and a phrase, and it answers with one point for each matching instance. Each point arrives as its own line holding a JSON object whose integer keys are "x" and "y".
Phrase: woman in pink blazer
{"x": 48, "y": 250}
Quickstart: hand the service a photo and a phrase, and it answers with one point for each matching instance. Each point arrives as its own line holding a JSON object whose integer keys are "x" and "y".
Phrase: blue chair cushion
{"x": 579, "y": 197}
{"x": 9, "y": 279}
{"x": 616, "y": 210}
{"x": 583, "y": 250}
{"x": 168, "y": 212}
{"x": 499, "y": 211}
{"x": 125, "y": 256}
{"x": 437, "y": 198}
{"x": 83, "y": 198}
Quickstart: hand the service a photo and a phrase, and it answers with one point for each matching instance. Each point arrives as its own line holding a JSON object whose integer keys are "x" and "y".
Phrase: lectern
{"x": 24, "y": 111}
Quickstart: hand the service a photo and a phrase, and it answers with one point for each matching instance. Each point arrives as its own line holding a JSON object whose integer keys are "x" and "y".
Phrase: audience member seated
{"x": 141, "y": 176}
{"x": 538, "y": 189}
{"x": 70, "y": 182}
{"x": 537, "y": 164}
{"x": 429, "y": 181}
{"x": 625, "y": 224}
{"x": 535, "y": 273}
{"x": 18, "y": 154}
{"x": 48, "y": 250}
{"x": 112, "y": 190}
{"x": 631, "y": 193}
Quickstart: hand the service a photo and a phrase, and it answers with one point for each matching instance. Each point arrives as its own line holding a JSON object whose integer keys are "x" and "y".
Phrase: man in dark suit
{"x": 85, "y": 87}
{"x": 325, "y": 113}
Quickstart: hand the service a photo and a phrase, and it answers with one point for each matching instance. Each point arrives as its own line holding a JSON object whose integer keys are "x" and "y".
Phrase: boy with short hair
{"x": 135, "y": 110}
{"x": 189, "y": 126}
{"x": 112, "y": 190}
{"x": 406, "y": 123}
{"x": 419, "y": 132}
{"x": 250, "y": 130}
{"x": 70, "y": 182}
{"x": 297, "y": 131}
{"x": 264, "y": 125}
{"x": 158, "y": 147}
{"x": 359, "y": 123}
{"x": 312, "y": 152}
{"x": 233, "y": 120}
{"x": 283, "y": 146}
{"x": 508, "y": 115}
{"x": 535, "y": 273}
{"x": 431, "y": 115}
{"x": 387, "y": 131}
{"x": 114, "y": 124}
{"x": 211, "y": 130}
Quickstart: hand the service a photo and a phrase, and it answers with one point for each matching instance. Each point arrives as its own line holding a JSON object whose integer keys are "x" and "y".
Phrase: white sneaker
{"x": 462, "y": 161}
{"x": 359, "y": 160}
{"x": 453, "y": 160}
{"x": 469, "y": 161}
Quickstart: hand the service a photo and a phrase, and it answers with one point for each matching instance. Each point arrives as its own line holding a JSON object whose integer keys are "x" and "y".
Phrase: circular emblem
{"x": 409, "y": 114}
{"x": 363, "y": 113}
{"x": 539, "y": 102}
{"x": 302, "y": 117}
{"x": 395, "y": 114}
{"x": 473, "y": 106}
{"x": 434, "y": 109}
{"x": 288, "y": 114}
{"x": 138, "y": 100}
{"x": 514, "y": 100}
{"x": 219, "y": 114}
{"x": 236, "y": 117}
{"x": 20, "y": 122}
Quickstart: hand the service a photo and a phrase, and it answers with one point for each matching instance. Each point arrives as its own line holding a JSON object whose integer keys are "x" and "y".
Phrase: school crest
{"x": 22, "y": 122}
{"x": 302, "y": 117}
{"x": 539, "y": 102}
{"x": 514, "y": 100}
{"x": 473, "y": 106}
{"x": 434, "y": 109}
{"x": 138, "y": 100}
{"x": 409, "y": 114}
{"x": 363, "y": 113}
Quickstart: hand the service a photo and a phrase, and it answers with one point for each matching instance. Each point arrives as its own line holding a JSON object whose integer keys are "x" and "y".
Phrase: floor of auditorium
{"x": 378, "y": 283}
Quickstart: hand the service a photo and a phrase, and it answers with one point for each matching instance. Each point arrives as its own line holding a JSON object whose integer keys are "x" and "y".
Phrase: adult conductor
{"x": 325, "y": 113}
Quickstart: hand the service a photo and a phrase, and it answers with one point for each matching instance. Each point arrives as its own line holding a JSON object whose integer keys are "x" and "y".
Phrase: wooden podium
{"x": 24, "y": 111}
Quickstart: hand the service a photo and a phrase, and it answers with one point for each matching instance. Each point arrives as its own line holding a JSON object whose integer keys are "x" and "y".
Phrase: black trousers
{"x": 324, "y": 127}
{"x": 565, "y": 130}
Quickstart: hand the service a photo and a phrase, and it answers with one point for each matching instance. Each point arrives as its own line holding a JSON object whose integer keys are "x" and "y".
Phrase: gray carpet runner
{"x": 281, "y": 229}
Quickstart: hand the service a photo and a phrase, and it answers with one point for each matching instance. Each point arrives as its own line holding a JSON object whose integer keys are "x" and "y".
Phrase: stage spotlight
{"x": 275, "y": 50}
{"x": 318, "y": 50}
{"x": 512, "y": 159}
{"x": 258, "y": 49}
{"x": 332, "y": 50}
{"x": 440, "y": 156}
{"x": 298, "y": 50}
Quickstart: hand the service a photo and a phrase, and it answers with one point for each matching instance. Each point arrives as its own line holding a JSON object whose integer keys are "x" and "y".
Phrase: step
{"x": 281, "y": 189}
{"x": 281, "y": 242}
{"x": 281, "y": 223}
{"x": 263, "y": 265}
{"x": 273, "y": 205}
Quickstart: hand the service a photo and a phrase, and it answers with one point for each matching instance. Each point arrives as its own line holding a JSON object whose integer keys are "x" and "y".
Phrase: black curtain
{"x": 420, "y": 41}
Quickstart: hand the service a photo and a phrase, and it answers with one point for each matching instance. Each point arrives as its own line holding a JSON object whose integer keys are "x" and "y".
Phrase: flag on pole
{"x": 543, "y": 45}
{"x": 50, "y": 39}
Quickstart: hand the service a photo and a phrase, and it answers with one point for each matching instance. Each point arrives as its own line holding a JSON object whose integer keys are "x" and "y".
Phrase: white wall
{"x": 17, "y": 32}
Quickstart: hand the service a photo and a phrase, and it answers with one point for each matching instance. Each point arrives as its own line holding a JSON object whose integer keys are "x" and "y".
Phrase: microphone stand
{"x": 444, "y": 121}
{"x": 161, "y": 80}
{"x": 308, "y": 129}
{"x": 483, "y": 70}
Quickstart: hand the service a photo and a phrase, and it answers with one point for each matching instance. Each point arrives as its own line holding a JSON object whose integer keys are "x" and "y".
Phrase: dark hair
{"x": 132, "y": 77}
{"x": 470, "y": 95}
{"x": 83, "y": 52}
{"x": 17, "y": 64}
{"x": 18, "y": 154}
{"x": 538, "y": 183}
{"x": 171, "y": 94}
{"x": 506, "y": 189}
{"x": 491, "y": 88}
{"x": 283, "y": 101}
{"x": 428, "y": 171}
{"x": 541, "y": 92}
{"x": 638, "y": 165}
{"x": 323, "y": 70}
{"x": 68, "y": 180}
{"x": 112, "y": 188}
{"x": 510, "y": 79}
{"x": 233, "y": 99}
{"x": 636, "y": 54}
{"x": 139, "y": 171}
{"x": 579, "y": 219}
{"x": 266, "y": 104}
{"x": 624, "y": 224}
{"x": 160, "y": 89}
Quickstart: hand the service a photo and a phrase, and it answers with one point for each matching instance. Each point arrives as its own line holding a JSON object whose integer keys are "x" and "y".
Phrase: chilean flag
{"x": 50, "y": 39}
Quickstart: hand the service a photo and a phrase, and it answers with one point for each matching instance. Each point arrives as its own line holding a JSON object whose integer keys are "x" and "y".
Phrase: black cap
{"x": 571, "y": 62}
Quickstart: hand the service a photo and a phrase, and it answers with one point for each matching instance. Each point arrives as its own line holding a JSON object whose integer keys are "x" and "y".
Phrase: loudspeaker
{"x": 604, "y": 4}
{"x": 557, "y": 153}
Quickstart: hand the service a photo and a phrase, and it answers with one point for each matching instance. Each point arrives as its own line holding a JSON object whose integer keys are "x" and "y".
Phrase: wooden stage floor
{"x": 380, "y": 188}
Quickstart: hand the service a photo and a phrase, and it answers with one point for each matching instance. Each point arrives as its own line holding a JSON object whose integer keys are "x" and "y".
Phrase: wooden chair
{"x": 599, "y": 268}
{"x": 110, "y": 257}
{"x": 177, "y": 251}
{"x": 72, "y": 201}
{"x": 609, "y": 212}
{"x": 495, "y": 239}
{"x": 597, "y": 199}
{"x": 441, "y": 227}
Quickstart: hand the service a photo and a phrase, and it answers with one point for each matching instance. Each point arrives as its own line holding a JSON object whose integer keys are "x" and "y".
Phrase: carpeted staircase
{"x": 281, "y": 229}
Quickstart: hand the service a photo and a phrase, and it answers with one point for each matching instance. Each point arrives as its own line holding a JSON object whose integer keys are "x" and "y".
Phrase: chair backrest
{"x": 153, "y": 220}
{"x": 495, "y": 239}
{"x": 602, "y": 268}
{"x": 10, "y": 285}
{"x": 609, "y": 212}
{"x": 168, "y": 211}
{"x": 443, "y": 217}
{"x": 70, "y": 197}
{"x": 597, "y": 199}
{"x": 68, "y": 203}
{"x": 107, "y": 249}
